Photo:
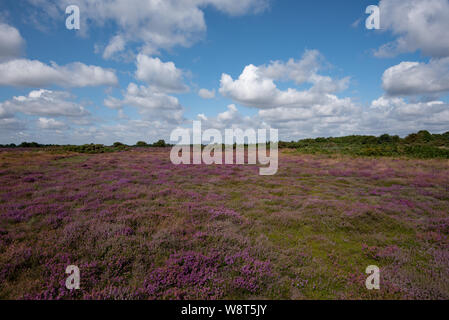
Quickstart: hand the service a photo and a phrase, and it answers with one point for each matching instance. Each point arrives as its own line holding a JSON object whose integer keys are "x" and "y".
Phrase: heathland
{"x": 139, "y": 227}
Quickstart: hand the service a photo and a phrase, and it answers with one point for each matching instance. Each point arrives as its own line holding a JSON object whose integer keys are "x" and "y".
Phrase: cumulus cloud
{"x": 206, "y": 94}
{"x": 298, "y": 71}
{"x": 231, "y": 118}
{"x": 45, "y": 103}
{"x": 390, "y": 114}
{"x": 335, "y": 107}
{"x": 161, "y": 75}
{"x": 113, "y": 103}
{"x": 153, "y": 100}
{"x": 50, "y": 124}
{"x": 11, "y": 125}
{"x": 117, "y": 44}
{"x": 4, "y": 113}
{"x": 399, "y": 109}
{"x": 291, "y": 123}
{"x": 418, "y": 25}
{"x": 238, "y": 7}
{"x": 415, "y": 78}
{"x": 153, "y": 23}
{"x": 151, "y": 103}
{"x": 149, "y": 98}
{"x": 256, "y": 86}
{"x": 11, "y": 42}
{"x": 317, "y": 111}
{"x": 33, "y": 73}
{"x": 383, "y": 115}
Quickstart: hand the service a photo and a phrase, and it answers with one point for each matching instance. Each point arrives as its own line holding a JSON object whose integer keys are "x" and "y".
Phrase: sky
{"x": 138, "y": 69}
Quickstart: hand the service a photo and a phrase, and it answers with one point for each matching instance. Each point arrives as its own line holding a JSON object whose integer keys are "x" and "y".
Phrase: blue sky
{"x": 399, "y": 88}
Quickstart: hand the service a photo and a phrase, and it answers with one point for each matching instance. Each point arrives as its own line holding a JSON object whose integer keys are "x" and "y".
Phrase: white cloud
{"x": 335, "y": 107}
{"x": 299, "y": 71}
{"x": 149, "y": 98}
{"x": 161, "y": 75}
{"x": 292, "y": 123}
{"x": 229, "y": 114}
{"x": 153, "y": 23}
{"x": 33, "y": 73}
{"x": 206, "y": 94}
{"x": 117, "y": 44}
{"x": 230, "y": 118}
{"x": 419, "y": 25}
{"x": 11, "y": 125}
{"x": 50, "y": 124}
{"x": 256, "y": 86}
{"x": 113, "y": 103}
{"x": 4, "y": 113}
{"x": 414, "y": 78}
{"x": 396, "y": 115}
{"x": 11, "y": 42}
{"x": 238, "y": 7}
{"x": 399, "y": 109}
{"x": 151, "y": 103}
{"x": 317, "y": 111}
{"x": 45, "y": 103}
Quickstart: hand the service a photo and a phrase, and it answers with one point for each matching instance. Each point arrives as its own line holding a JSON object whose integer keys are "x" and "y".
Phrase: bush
{"x": 141, "y": 144}
{"x": 96, "y": 148}
{"x": 30, "y": 145}
{"x": 118, "y": 145}
{"x": 160, "y": 143}
{"x": 423, "y": 151}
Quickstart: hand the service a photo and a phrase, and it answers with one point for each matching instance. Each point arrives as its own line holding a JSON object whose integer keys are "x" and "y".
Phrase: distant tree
{"x": 7, "y": 145}
{"x": 385, "y": 138}
{"x": 424, "y": 136}
{"x": 395, "y": 139}
{"x": 160, "y": 143}
{"x": 141, "y": 144}
{"x": 411, "y": 138}
{"x": 118, "y": 144}
{"x": 29, "y": 145}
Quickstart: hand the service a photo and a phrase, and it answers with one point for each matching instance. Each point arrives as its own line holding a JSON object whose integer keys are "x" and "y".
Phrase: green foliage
{"x": 141, "y": 144}
{"x": 422, "y": 144}
{"x": 416, "y": 145}
{"x": 30, "y": 145}
{"x": 118, "y": 145}
{"x": 424, "y": 151}
{"x": 160, "y": 143}
{"x": 11, "y": 145}
{"x": 96, "y": 148}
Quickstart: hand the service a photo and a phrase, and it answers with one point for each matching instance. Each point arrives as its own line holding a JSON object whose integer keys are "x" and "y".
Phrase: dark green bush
{"x": 141, "y": 144}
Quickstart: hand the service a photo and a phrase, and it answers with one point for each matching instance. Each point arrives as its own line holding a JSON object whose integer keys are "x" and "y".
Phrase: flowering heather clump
{"x": 189, "y": 275}
{"x": 252, "y": 274}
{"x": 139, "y": 227}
